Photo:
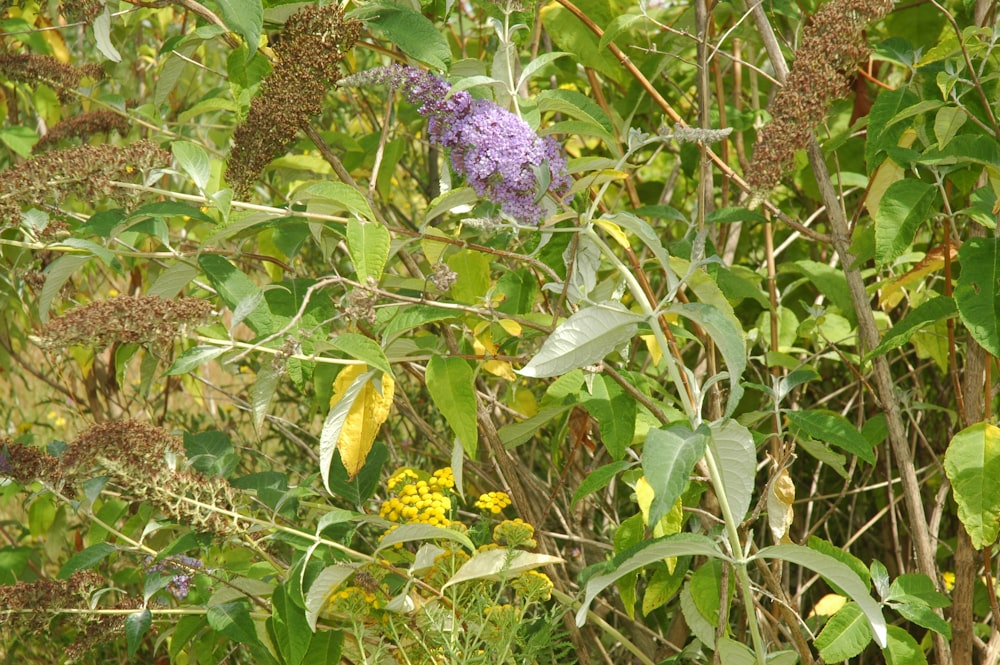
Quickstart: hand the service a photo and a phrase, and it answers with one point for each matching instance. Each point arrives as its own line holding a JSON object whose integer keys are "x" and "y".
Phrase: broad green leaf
{"x": 411, "y": 31}
{"x": 235, "y": 287}
{"x": 194, "y": 357}
{"x": 85, "y": 559}
{"x": 233, "y": 620}
{"x": 732, "y": 652}
{"x": 322, "y": 587}
{"x": 972, "y": 463}
{"x": 845, "y": 635}
{"x": 20, "y": 139}
{"x": 728, "y": 338}
{"x": 410, "y": 532}
{"x": 193, "y": 160}
{"x": 102, "y": 37}
{"x": 880, "y": 136}
{"x": 245, "y": 18}
{"x": 368, "y": 245}
{"x": 977, "y": 291}
{"x": 451, "y": 384}
{"x": 325, "y": 648}
{"x": 917, "y": 611}
{"x": 360, "y": 404}
{"x": 499, "y": 564}
{"x": 579, "y": 106}
{"x": 615, "y": 412}
{"x": 473, "y": 270}
{"x": 536, "y": 64}
{"x": 682, "y": 544}
{"x": 832, "y": 428}
{"x": 56, "y": 275}
{"x": 733, "y": 447}
{"x": 570, "y": 34}
{"x": 947, "y": 122}
{"x": 583, "y": 339}
{"x": 172, "y": 281}
{"x": 965, "y": 149}
{"x": 700, "y": 627}
{"x": 903, "y": 648}
{"x": 706, "y": 590}
{"x": 137, "y": 624}
{"x": 516, "y": 434}
{"x": 329, "y": 197}
{"x": 837, "y": 573}
{"x": 934, "y": 310}
{"x": 668, "y": 456}
{"x": 599, "y": 478}
{"x": 914, "y": 585}
{"x": 362, "y": 348}
{"x": 261, "y": 393}
{"x": 829, "y": 281}
{"x": 905, "y": 205}
{"x": 408, "y": 318}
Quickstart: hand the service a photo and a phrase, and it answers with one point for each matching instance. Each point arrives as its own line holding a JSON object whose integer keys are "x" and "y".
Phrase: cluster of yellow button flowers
{"x": 419, "y": 499}
{"x": 493, "y": 502}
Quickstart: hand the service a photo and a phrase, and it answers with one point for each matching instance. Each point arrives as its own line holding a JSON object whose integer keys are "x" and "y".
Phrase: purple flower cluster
{"x": 182, "y": 567}
{"x": 500, "y": 156}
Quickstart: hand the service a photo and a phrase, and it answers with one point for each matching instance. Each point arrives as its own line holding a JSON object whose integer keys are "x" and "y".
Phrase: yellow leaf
{"x": 644, "y": 496}
{"x": 512, "y": 327}
{"x": 369, "y": 411}
{"x": 780, "y": 497}
{"x": 655, "y": 353}
{"x": 828, "y": 605}
{"x": 500, "y": 368}
{"x": 614, "y": 231}
{"x": 433, "y": 249}
{"x": 887, "y": 173}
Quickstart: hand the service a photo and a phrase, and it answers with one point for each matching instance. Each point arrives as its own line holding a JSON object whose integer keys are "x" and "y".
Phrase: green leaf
{"x": 473, "y": 269}
{"x": 193, "y": 159}
{"x": 615, "y": 412}
{"x": 411, "y": 31}
{"x": 234, "y": 287}
{"x": 368, "y": 245}
{"x": 936, "y": 309}
{"x": 837, "y": 573}
{"x": 410, "y": 532}
{"x": 19, "y": 138}
{"x": 325, "y": 648}
{"x": 668, "y": 456}
{"x": 85, "y": 559}
{"x": 570, "y": 34}
{"x": 915, "y": 585}
{"x": 977, "y": 291}
{"x": 233, "y": 620}
{"x": 733, "y": 447}
{"x": 947, "y": 122}
{"x": 699, "y": 625}
{"x": 583, "y": 339}
{"x": 451, "y": 384}
{"x": 732, "y": 652}
{"x": 832, "y": 428}
{"x": 245, "y": 18}
{"x": 599, "y": 478}
{"x": 916, "y": 610}
{"x": 681, "y": 544}
{"x": 408, "y": 318}
{"x": 903, "y": 648}
{"x": 845, "y": 635}
{"x": 579, "y": 106}
{"x": 56, "y": 275}
{"x": 102, "y": 37}
{"x": 261, "y": 393}
{"x": 330, "y": 197}
{"x": 499, "y": 564}
{"x": 972, "y": 463}
{"x": 136, "y": 625}
{"x": 362, "y": 348}
{"x": 905, "y": 205}
{"x": 728, "y": 337}
{"x": 194, "y": 357}
{"x": 880, "y": 136}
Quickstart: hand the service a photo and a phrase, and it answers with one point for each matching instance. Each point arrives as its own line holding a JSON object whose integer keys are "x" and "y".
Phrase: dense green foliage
{"x": 591, "y": 331}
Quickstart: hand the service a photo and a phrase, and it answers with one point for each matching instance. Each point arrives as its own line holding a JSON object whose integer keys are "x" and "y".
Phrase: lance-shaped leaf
{"x": 668, "y": 456}
{"x": 972, "y": 463}
{"x": 451, "y": 384}
{"x": 583, "y": 339}
{"x": 733, "y": 447}
{"x": 359, "y": 406}
{"x": 368, "y": 245}
{"x": 977, "y": 289}
{"x": 500, "y": 564}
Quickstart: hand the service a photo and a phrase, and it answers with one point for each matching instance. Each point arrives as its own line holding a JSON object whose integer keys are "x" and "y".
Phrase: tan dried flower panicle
{"x": 312, "y": 44}
{"x": 84, "y": 125}
{"x": 32, "y": 68}
{"x": 85, "y": 171}
{"x": 43, "y": 594}
{"x": 26, "y": 464}
{"x": 833, "y": 43}
{"x": 82, "y": 10}
{"x": 126, "y": 320}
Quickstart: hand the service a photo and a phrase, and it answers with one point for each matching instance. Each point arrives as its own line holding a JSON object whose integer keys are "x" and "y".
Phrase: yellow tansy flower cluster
{"x": 515, "y": 533}
{"x": 419, "y": 501}
{"x": 533, "y": 586}
{"x": 493, "y": 502}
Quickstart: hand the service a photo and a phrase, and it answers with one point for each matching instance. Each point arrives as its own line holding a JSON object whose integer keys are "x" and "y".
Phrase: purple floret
{"x": 496, "y": 151}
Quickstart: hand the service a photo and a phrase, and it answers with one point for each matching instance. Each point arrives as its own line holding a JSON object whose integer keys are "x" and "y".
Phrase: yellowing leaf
{"x": 655, "y": 353}
{"x": 614, "y": 231}
{"x": 500, "y": 368}
{"x": 433, "y": 249}
{"x": 886, "y": 174}
{"x": 780, "y": 496}
{"x": 644, "y": 495}
{"x": 828, "y": 605}
{"x": 512, "y": 327}
{"x": 365, "y": 415}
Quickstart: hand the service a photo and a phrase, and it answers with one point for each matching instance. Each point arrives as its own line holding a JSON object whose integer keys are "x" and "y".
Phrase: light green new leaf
{"x": 832, "y": 428}
{"x": 977, "y": 291}
{"x": 500, "y": 564}
{"x": 972, "y": 463}
{"x": 245, "y": 18}
{"x": 905, "y": 205}
{"x": 368, "y": 245}
{"x": 193, "y": 160}
{"x": 19, "y": 139}
{"x": 451, "y": 384}
{"x": 732, "y": 445}
{"x": 845, "y": 635}
{"x": 681, "y": 544}
{"x": 837, "y": 573}
{"x": 668, "y": 456}
{"x": 583, "y": 339}
{"x": 473, "y": 269}
{"x": 947, "y": 122}
{"x": 331, "y": 197}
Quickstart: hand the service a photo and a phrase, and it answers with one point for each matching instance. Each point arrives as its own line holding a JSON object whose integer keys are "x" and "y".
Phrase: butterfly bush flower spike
{"x": 499, "y": 155}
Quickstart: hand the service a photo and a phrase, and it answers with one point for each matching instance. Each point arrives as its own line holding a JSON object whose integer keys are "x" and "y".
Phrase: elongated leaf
{"x": 903, "y": 648}
{"x": 977, "y": 291}
{"x": 261, "y": 393}
{"x": 668, "y": 456}
{"x": 368, "y": 244}
{"x": 194, "y": 357}
{"x": 845, "y": 635}
{"x": 836, "y": 572}
{"x": 732, "y": 652}
{"x": 583, "y": 339}
{"x": 245, "y": 18}
{"x": 136, "y": 625}
{"x": 904, "y": 206}
{"x": 335, "y": 197}
{"x": 932, "y": 311}
{"x": 500, "y": 564}
{"x": 322, "y": 587}
{"x": 733, "y": 447}
{"x": 85, "y": 559}
{"x": 615, "y": 412}
{"x": 102, "y": 35}
{"x": 411, "y": 31}
{"x": 360, "y": 404}
{"x": 411, "y": 532}
{"x": 728, "y": 337}
{"x": 233, "y": 620}
{"x": 599, "y": 478}
{"x": 832, "y": 428}
{"x": 682, "y": 544}
{"x": 172, "y": 280}
{"x": 193, "y": 160}
{"x": 234, "y": 287}
{"x": 972, "y": 463}
{"x": 451, "y": 384}
{"x": 362, "y": 348}
{"x": 56, "y": 276}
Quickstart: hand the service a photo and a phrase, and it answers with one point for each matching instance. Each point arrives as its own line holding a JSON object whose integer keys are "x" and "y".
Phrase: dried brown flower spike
{"x": 33, "y": 69}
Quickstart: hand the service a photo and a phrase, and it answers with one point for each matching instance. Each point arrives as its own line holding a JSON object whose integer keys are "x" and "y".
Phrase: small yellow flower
{"x": 493, "y": 502}
{"x": 515, "y": 533}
